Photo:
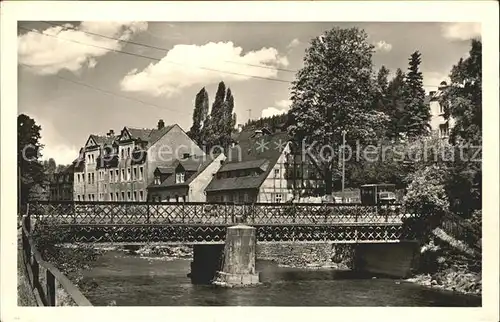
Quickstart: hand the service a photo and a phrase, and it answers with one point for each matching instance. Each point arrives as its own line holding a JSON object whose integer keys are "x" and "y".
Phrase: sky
{"x": 82, "y": 78}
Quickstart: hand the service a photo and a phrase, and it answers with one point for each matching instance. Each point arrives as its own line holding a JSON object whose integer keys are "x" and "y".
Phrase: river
{"x": 131, "y": 280}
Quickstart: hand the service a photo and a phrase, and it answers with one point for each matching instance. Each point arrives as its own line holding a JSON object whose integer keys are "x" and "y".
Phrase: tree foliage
{"x": 333, "y": 92}
{"x": 417, "y": 115}
{"x": 199, "y": 115}
{"x": 28, "y": 158}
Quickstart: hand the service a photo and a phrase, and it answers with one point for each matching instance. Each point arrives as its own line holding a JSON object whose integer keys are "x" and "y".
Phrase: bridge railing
{"x": 142, "y": 213}
{"x": 49, "y": 285}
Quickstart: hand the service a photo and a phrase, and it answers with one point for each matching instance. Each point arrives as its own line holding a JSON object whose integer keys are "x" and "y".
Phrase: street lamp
{"x": 343, "y": 164}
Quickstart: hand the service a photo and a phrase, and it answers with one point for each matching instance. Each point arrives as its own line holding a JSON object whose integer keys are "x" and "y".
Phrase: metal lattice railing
{"x": 207, "y": 222}
{"x": 128, "y": 213}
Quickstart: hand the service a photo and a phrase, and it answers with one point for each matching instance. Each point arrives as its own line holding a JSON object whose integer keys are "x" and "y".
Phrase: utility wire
{"x": 158, "y": 59}
{"x": 164, "y": 49}
{"x": 106, "y": 91}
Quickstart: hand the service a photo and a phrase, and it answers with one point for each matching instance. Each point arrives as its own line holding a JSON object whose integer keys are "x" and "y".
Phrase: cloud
{"x": 383, "y": 46}
{"x": 51, "y": 138}
{"x": 188, "y": 65}
{"x": 461, "y": 30}
{"x": 281, "y": 107}
{"x": 62, "y": 46}
{"x": 294, "y": 43}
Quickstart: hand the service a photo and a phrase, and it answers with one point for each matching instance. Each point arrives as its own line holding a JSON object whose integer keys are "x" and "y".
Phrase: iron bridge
{"x": 206, "y": 223}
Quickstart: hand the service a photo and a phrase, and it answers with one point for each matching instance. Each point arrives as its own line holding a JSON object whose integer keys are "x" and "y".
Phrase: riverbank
{"x": 450, "y": 265}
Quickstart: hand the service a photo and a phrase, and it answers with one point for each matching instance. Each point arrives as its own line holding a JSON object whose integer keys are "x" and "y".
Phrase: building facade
{"x": 184, "y": 180}
{"x": 120, "y": 167}
{"x": 439, "y": 125}
{"x": 61, "y": 185}
{"x": 263, "y": 167}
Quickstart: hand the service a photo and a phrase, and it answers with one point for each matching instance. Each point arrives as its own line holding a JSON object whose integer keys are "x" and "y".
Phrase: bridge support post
{"x": 238, "y": 268}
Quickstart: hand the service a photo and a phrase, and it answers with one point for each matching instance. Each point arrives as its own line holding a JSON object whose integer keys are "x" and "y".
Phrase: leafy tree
{"x": 462, "y": 101}
{"x": 199, "y": 115}
{"x": 28, "y": 154}
{"x": 417, "y": 114}
{"x": 334, "y": 91}
{"x": 49, "y": 166}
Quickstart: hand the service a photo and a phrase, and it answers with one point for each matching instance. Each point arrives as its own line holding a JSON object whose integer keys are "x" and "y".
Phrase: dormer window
{"x": 179, "y": 177}
{"x": 157, "y": 180}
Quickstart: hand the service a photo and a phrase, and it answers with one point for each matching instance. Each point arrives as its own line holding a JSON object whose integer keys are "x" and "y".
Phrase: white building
{"x": 439, "y": 125}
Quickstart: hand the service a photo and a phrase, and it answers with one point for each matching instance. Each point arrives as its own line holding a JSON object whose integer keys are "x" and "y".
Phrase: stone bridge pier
{"x": 228, "y": 265}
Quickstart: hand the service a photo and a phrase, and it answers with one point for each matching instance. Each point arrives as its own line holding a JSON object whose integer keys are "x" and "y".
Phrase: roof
{"x": 165, "y": 170}
{"x": 251, "y": 152}
{"x": 248, "y": 182}
{"x": 148, "y": 135}
{"x": 194, "y": 166}
{"x": 251, "y": 164}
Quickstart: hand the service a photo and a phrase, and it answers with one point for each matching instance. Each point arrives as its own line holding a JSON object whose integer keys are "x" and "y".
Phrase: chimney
{"x": 161, "y": 124}
{"x": 240, "y": 128}
{"x": 442, "y": 86}
{"x": 110, "y": 133}
{"x": 258, "y": 133}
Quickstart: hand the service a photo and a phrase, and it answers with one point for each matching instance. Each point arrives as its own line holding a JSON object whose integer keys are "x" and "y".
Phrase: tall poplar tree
{"x": 199, "y": 115}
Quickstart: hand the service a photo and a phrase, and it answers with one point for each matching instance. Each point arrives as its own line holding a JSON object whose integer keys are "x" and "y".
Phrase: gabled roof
{"x": 251, "y": 151}
{"x": 193, "y": 167}
{"x": 251, "y": 164}
{"x": 147, "y": 135}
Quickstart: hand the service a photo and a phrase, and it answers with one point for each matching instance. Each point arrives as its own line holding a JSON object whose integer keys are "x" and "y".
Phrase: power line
{"x": 166, "y": 50}
{"x": 106, "y": 91}
{"x": 159, "y": 59}
{"x": 170, "y": 62}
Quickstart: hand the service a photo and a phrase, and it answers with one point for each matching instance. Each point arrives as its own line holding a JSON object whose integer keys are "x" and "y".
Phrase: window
{"x": 278, "y": 197}
{"x": 116, "y": 196}
{"x": 128, "y": 152}
{"x": 128, "y": 196}
{"x": 93, "y": 178}
{"x": 88, "y": 175}
{"x": 179, "y": 177}
{"x": 110, "y": 175}
{"x": 176, "y": 198}
{"x": 134, "y": 174}
{"x": 135, "y": 196}
{"x": 93, "y": 197}
{"x": 245, "y": 197}
{"x": 123, "y": 153}
{"x": 157, "y": 180}
{"x": 141, "y": 195}
{"x": 123, "y": 196}
{"x": 128, "y": 174}
{"x": 141, "y": 173}
{"x": 83, "y": 197}
{"x": 78, "y": 197}
{"x": 441, "y": 109}
{"x": 90, "y": 197}
{"x": 105, "y": 186}
{"x": 444, "y": 130}
{"x": 276, "y": 173}
{"x": 111, "y": 196}
{"x": 116, "y": 175}
{"x": 122, "y": 178}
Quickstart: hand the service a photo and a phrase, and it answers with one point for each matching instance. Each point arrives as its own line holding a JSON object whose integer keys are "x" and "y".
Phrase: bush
{"x": 426, "y": 194}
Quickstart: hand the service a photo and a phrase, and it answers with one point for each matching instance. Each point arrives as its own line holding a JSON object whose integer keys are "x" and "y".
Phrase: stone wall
{"x": 307, "y": 255}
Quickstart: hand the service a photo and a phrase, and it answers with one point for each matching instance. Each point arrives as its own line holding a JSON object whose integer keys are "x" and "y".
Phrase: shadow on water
{"x": 131, "y": 280}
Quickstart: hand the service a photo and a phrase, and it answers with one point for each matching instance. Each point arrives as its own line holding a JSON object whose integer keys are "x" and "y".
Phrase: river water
{"x": 131, "y": 280}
